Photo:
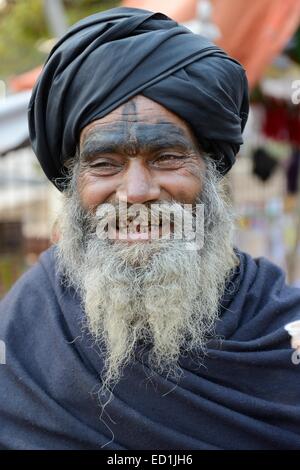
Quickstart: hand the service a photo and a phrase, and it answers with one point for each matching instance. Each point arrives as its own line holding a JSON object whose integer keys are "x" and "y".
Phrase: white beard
{"x": 159, "y": 293}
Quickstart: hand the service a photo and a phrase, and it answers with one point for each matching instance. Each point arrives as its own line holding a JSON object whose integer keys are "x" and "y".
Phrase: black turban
{"x": 107, "y": 58}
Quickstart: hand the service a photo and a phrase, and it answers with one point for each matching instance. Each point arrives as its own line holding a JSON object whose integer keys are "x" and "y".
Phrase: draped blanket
{"x": 245, "y": 394}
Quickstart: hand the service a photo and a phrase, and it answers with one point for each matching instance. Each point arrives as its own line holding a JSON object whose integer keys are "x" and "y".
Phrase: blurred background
{"x": 264, "y": 184}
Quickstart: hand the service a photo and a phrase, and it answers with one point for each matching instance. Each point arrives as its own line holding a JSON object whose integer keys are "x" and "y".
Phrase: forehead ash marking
{"x": 134, "y": 131}
{"x": 130, "y": 115}
{"x": 113, "y": 138}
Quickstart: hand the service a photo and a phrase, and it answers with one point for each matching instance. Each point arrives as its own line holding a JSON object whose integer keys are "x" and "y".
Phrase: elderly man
{"x": 148, "y": 340}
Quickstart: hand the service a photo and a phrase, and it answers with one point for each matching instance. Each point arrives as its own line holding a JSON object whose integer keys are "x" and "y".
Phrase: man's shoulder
{"x": 263, "y": 296}
{"x": 264, "y": 276}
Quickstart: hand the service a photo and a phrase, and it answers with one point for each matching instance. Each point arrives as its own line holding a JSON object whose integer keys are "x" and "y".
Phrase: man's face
{"x": 139, "y": 153}
{"x": 157, "y": 294}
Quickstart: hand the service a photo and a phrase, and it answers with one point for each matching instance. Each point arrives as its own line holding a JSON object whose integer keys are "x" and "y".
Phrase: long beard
{"x": 158, "y": 294}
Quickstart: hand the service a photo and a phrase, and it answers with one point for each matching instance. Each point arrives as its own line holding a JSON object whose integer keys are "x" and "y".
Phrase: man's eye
{"x": 106, "y": 166}
{"x": 169, "y": 159}
{"x": 103, "y": 165}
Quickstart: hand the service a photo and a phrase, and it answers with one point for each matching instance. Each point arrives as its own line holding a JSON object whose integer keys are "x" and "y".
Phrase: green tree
{"x": 23, "y": 28}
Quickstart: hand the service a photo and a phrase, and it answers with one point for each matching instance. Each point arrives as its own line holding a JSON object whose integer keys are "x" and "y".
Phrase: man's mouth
{"x": 132, "y": 231}
{"x": 124, "y": 226}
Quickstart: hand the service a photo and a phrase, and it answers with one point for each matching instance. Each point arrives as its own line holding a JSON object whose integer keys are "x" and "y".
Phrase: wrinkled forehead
{"x": 142, "y": 121}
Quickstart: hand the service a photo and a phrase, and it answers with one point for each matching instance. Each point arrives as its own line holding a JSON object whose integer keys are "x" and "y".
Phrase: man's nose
{"x": 138, "y": 185}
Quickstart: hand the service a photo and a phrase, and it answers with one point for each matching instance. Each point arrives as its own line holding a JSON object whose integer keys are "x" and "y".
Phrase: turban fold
{"x": 107, "y": 58}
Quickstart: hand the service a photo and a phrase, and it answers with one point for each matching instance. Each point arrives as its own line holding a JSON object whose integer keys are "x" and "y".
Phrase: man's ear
{"x": 55, "y": 232}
